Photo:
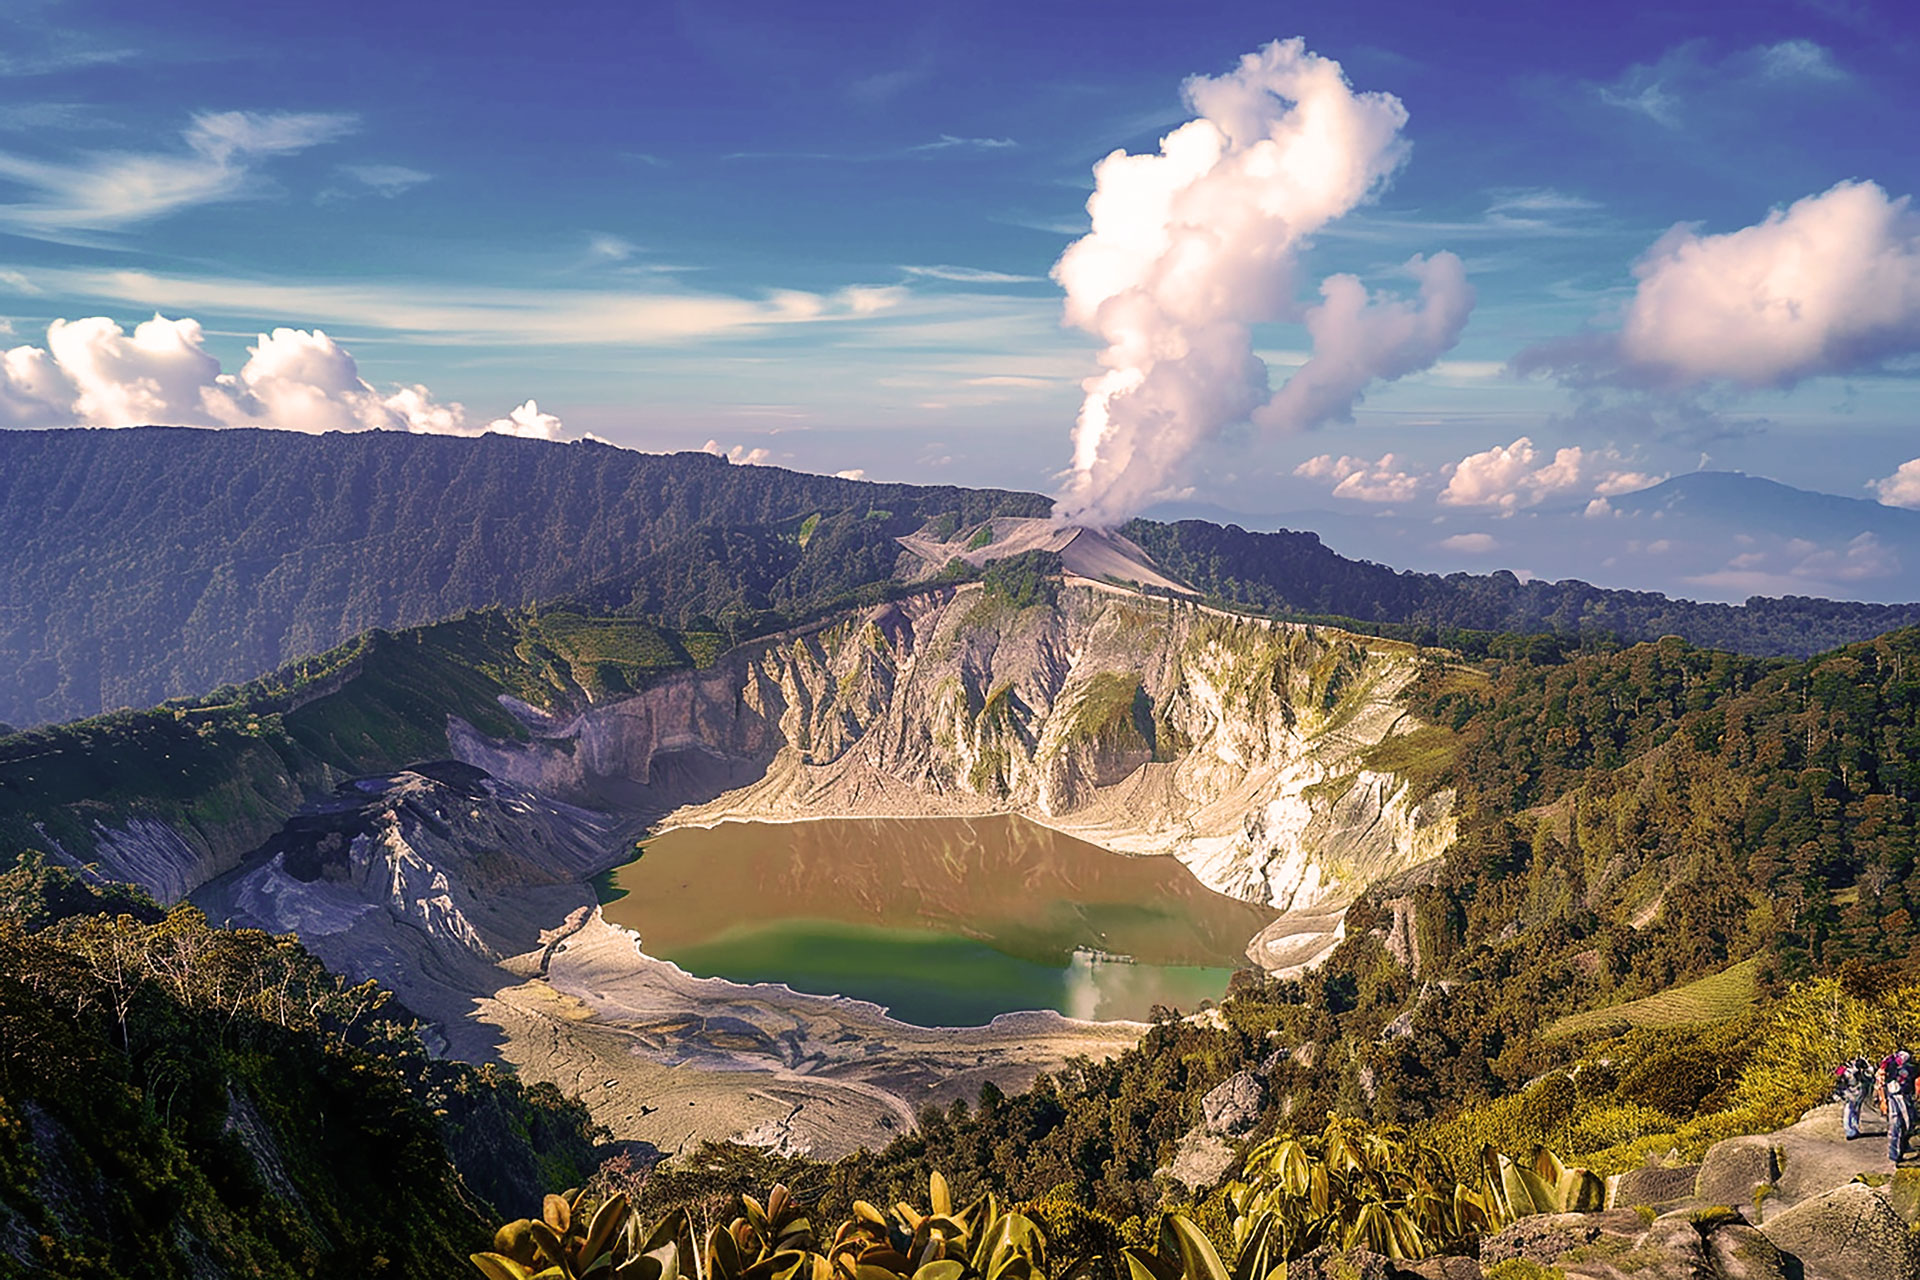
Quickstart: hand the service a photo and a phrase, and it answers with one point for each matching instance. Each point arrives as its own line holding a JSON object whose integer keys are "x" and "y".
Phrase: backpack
{"x": 1854, "y": 1079}
{"x": 1900, "y": 1070}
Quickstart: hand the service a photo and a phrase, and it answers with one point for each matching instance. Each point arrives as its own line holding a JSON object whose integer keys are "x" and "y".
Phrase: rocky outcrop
{"x": 1833, "y": 1213}
{"x": 1233, "y": 1106}
{"x": 1733, "y": 1172}
{"x": 1149, "y": 726}
{"x": 1849, "y": 1233}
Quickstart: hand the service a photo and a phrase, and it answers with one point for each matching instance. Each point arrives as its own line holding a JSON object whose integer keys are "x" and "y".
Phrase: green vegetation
{"x": 1423, "y": 756}
{"x": 982, "y": 537}
{"x": 1727, "y": 994}
{"x": 1347, "y": 1187}
{"x": 1684, "y": 885}
{"x": 226, "y": 770}
{"x": 136, "y": 588}
{"x": 177, "y": 1100}
{"x": 1112, "y": 707}
{"x": 1023, "y": 581}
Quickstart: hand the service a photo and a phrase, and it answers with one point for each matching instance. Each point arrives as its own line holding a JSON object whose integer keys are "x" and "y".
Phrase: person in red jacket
{"x": 1895, "y": 1094}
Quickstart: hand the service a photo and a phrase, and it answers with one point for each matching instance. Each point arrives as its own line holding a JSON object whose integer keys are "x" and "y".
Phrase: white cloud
{"x": 1686, "y": 84}
{"x": 104, "y": 190}
{"x": 527, "y": 421}
{"x": 969, "y": 275}
{"x": 460, "y": 315}
{"x": 387, "y": 180}
{"x": 1804, "y": 567}
{"x": 1508, "y": 477}
{"x": 851, "y": 473}
{"x": 611, "y": 248}
{"x": 1797, "y": 60}
{"x": 947, "y": 142}
{"x": 94, "y": 373}
{"x": 1505, "y": 477}
{"x": 1902, "y": 488}
{"x": 1829, "y": 285}
{"x": 1384, "y": 479}
{"x": 1864, "y": 557}
{"x": 1471, "y": 543}
{"x": 1642, "y": 90}
{"x": 1193, "y": 245}
{"x": 1614, "y": 483}
{"x": 1358, "y": 340}
{"x": 739, "y": 454}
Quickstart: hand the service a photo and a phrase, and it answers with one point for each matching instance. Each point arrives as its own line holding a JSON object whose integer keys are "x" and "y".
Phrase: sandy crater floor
{"x": 666, "y": 1058}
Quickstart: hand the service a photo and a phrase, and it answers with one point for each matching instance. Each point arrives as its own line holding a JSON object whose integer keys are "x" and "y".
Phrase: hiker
{"x": 1856, "y": 1081}
{"x": 1895, "y": 1081}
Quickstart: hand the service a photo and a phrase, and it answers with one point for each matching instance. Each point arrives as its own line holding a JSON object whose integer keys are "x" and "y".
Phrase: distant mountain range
{"x": 1708, "y": 535}
{"x": 1743, "y": 502}
{"x": 145, "y": 564}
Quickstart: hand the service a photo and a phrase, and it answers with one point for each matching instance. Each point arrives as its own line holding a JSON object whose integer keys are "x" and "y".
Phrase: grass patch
{"x": 981, "y": 537}
{"x": 1112, "y": 706}
{"x": 1424, "y": 757}
{"x": 1727, "y": 994}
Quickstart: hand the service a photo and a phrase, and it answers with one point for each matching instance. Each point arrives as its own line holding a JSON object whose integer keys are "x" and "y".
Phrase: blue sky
{"x": 826, "y": 231}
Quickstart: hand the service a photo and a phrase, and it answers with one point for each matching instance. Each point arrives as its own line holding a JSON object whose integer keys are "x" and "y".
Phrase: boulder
{"x": 1545, "y": 1238}
{"x": 1654, "y": 1186}
{"x": 1233, "y": 1107}
{"x": 1673, "y": 1250}
{"x": 1440, "y": 1269}
{"x": 1902, "y": 1191}
{"x": 1326, "y": 1263}
{"x": 1850, "y": 1233}
{"x": 1732, "y": 1169}
{"x": 1200, "y": 1160}
{"x": 1742, "y": 1252}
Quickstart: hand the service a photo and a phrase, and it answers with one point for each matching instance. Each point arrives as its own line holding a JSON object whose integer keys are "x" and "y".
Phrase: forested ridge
{"x": 153, "y": 563}
{"x": 1292, "y": 574}
{"x": 180, "y": 1101}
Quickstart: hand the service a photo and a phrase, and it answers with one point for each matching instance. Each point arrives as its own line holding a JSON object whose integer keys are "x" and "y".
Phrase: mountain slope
{"x": 159, "y": 562}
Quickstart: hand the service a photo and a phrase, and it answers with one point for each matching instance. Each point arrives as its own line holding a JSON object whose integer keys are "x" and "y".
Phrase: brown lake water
{"x": 946, "y": 921}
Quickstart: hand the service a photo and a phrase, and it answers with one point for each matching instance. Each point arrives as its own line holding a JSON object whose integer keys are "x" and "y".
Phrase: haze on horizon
{"x": 1456, "y": 284}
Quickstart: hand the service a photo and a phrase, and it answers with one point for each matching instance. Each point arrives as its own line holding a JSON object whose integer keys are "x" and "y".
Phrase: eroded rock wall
{"x": 1149, "y": 726}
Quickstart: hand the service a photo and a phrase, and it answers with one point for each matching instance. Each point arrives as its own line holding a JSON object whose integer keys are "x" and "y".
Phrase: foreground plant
{"x": 1351, "y": 1187}
{"x": 771, "y": 1241}
{"x": 1347, "y": 1187}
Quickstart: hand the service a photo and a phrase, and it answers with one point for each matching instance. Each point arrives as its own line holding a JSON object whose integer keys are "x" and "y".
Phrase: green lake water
{"x": 947, "y": 922}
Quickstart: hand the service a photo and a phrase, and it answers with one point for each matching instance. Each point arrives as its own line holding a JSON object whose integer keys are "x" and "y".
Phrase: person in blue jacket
{"x": 1855, "y": 1082}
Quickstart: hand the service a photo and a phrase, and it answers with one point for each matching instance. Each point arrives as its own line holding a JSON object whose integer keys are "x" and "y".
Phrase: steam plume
{"x": 1194, "y": 245}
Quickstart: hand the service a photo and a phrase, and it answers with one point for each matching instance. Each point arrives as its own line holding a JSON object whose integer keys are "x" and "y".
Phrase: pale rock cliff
{"x": 1147, "y": 725}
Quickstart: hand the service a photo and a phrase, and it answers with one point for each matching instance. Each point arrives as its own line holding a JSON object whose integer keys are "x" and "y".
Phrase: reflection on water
{"x": 945, "y": 921}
